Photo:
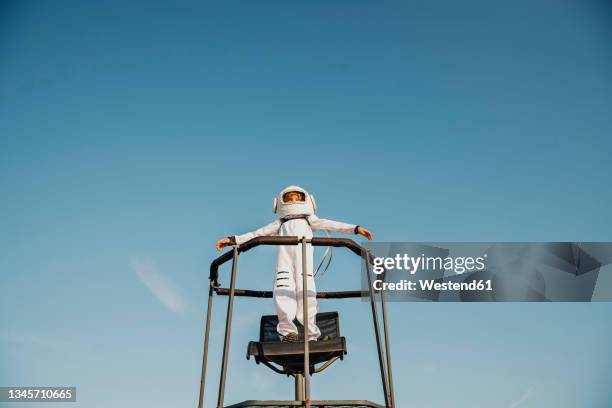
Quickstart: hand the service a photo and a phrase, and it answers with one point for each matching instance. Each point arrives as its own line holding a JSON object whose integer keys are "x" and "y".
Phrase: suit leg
{"x": 284, "y": 292}
{"x": 313, "y": 307}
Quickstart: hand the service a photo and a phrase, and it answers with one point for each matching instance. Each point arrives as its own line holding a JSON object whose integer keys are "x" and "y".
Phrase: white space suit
{"x": 295, "y": 219}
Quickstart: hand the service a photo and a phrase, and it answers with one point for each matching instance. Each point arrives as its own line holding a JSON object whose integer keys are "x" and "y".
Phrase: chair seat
{"x": 291, "y": 355}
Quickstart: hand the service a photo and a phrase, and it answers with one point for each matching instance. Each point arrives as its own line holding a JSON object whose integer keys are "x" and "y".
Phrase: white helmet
{"x": 283, "y": 209}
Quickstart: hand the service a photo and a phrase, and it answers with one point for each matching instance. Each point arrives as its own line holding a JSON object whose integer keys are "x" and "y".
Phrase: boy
{"x": 295, "y": 209}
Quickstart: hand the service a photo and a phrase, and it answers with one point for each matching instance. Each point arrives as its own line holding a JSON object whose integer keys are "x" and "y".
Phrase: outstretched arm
{"x": 269, "y": 229}
{"x": 317, "y": 223}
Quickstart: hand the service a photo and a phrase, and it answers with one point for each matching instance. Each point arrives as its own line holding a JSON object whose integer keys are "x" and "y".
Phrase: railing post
{"x": 206, "y": 337}
{"x": 381, "y": 360}
{"x": 387, "y": 348}
{"x": 305, "y": 320}
{"x": 228, "y": 328}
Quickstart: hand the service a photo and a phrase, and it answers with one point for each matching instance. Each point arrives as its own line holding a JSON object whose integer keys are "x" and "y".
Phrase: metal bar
{"x": 206, "y": 337}
{"x": 275, "y": 240}
{"x": 228, "y": 328}
{"x": 326, "y": 364}
{"x": 387, "y": 348}
{"x": 268, "y": 294}
{"x": 383, "y": 372}
{"x": 299, "y": 384}
{"x": 305, "y": 320}
{"x": 272, "y": 367}
{"x": 338, "y": 242}
{"x": 315, "y": 403}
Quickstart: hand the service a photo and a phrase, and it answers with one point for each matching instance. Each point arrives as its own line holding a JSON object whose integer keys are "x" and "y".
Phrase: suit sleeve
{"x": 270, "y": 229}
{"x": 317, "y": 224}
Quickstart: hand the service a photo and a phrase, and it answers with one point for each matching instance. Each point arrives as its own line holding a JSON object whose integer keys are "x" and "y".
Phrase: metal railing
{"x": 384, "y": 358}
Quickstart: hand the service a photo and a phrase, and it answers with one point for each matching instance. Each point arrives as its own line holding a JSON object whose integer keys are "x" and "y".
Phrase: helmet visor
{"x": 294, "y": 197}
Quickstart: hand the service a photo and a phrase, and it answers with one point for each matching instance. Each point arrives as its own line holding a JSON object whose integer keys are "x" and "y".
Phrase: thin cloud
{"x": 35, "y": 339}
{"x": 523, "y": 398}
{"x": 158, "y": 284}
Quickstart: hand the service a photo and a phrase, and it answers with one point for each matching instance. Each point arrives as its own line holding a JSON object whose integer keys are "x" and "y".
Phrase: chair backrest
{"x": 327, "y": 322}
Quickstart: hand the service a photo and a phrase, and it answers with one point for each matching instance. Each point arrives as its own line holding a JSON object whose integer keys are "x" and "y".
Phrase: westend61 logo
{"x": 489, "y": 271}
{"x": 414, "y": 264}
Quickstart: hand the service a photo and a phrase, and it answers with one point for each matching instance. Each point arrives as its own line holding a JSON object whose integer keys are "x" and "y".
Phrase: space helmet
{"x": 283, "y": 209}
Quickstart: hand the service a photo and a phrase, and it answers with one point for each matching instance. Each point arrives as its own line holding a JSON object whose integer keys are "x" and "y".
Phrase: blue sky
{"x": 135, "y": 135}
